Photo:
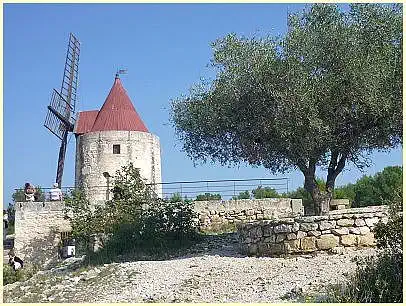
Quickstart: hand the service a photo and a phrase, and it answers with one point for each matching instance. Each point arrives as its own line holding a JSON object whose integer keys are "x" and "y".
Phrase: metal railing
{"x": 225, "y": 189}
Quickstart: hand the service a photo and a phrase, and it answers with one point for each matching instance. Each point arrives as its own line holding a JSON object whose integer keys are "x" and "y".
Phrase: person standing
{"x": 29, "y": 192}
{"x": 56, "y": 193}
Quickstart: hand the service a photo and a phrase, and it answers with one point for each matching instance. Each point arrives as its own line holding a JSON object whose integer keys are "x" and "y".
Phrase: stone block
{"x": 325, "y": 242}
{"x": 275, "y": 249}
{"x": 313, "y": 233}
{"x": 308, "y": 244}
{"x": 291, "y": 236}
{"x": 359, "y": 222}
{"x": 364, "y": 230}
{"x": 354, "y": 230}
{"x": 325, "y": 225}
{"x": 308, "y": 227}
{"x": 282, "y": 228}
{"x": 366, "y": 240}
{"x": 270, "y": 239}
{"x": 295, "y": 227}
{"x": 297, "y": 206}
{"x": 267, "y": 230}
{"x": 326, "y": 232}
{"x": 335, "y": 217}
{"x": 291, "y": 246}
{"x": 301, "y": 234}
{"x": 345, "y": 222}
{"x": 340, "y": 231}
{"x": 247, "y": 240}
{"x": 252, "y": 249}
{"x": 262, "y": 248}
{"x": 280, "y": 237}
{"x": 371, "y": 221}
{"x": 250, "y": 212}
{"x": 349, "y": 240}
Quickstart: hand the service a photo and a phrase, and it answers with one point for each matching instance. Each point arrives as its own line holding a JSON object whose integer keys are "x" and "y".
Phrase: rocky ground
{"x": 213, "y": 271}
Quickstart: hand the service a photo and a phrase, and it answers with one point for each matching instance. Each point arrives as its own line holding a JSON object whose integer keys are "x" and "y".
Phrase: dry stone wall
{"x": 217, "y": 213}
{"x": 37, "y": 230}
{"x": 335, "y": 231}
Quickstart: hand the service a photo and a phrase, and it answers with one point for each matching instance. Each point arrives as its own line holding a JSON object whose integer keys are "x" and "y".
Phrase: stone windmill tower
{"x": 111, "y": 138}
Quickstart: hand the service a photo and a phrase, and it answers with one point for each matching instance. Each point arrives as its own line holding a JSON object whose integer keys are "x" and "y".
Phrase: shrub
{"x": 377, "y": 279}
{"x": 265, "y": 192}
{"x": 208, "y": 197}
{"x": 133, "y": 220}
{"x": 242, "y": 195}
{"x": 10, "y": 276}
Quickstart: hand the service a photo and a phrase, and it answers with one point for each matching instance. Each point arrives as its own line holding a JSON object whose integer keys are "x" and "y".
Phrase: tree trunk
{"x": 321, "y": 199}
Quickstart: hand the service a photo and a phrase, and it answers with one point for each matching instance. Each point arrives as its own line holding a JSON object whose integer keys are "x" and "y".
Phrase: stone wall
{"x": 216, "y": 213}
{"x": 37, "y": 230}
{"x": 339, "y": 229}
{"x": 94, "y": 156}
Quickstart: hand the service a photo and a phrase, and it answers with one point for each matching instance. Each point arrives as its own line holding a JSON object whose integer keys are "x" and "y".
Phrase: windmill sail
{"x": 59, "y": 118}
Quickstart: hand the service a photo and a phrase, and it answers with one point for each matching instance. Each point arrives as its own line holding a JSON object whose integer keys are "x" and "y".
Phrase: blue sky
{"x": 166, "y": 49}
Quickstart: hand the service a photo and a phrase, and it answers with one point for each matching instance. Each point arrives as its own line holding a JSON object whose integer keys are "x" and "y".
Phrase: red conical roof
{"x": 118, "y": 112}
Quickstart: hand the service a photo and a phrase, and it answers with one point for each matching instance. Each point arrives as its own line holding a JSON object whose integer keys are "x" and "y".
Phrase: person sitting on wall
{"x": 29, "y": 192}
{"x": 56, "y": 193}
{"x": 14, "y": 261}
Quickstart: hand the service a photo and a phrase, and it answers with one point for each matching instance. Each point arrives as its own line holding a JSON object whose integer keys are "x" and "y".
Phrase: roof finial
{"x": 120, "y": 71}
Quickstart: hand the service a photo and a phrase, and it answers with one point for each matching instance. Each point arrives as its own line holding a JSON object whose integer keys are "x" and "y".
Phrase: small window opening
{"x": 116, "y": 149}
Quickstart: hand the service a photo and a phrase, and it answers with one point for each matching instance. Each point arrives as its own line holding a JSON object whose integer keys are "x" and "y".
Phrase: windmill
{"x": 59, "y": 119}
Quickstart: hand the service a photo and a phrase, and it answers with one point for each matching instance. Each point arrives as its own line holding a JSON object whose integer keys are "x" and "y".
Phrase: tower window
{"x": 116, "y": 149}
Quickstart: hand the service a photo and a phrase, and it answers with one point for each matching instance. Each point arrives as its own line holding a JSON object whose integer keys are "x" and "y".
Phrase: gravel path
{"x": 213, "y": 272}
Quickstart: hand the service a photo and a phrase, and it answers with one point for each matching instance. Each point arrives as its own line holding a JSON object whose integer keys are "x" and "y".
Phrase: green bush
{"x": 133, "y": 221}
{"x": 10, "y": 276}
{"x": 265, "y": 192}
{"x": 208, "y": 197}
{"x": 242, "y": 195}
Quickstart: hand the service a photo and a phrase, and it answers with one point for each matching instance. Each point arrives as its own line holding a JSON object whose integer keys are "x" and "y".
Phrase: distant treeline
{"x": 378, "y": 189}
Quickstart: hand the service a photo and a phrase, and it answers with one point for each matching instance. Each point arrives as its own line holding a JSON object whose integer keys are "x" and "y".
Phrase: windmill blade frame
{"x": 59, "y": 119}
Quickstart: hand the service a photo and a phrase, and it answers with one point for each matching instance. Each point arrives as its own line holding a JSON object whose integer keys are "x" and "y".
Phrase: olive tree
{"x": 325, "y": 94}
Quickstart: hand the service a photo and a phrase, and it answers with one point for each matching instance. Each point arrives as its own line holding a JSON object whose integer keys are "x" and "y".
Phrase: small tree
{"x": 327, "y": 93}
{"x": 265, "y": 192}
{"x": 208, "y": 197}
{"x": 242, "y": 195}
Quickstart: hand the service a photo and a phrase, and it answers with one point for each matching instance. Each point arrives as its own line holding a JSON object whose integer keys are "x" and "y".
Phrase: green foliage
{"x": 265, "y": 192}
{"x": 326, "y": 93}
{"x": 377, "y": 279}
{"x": 10, "y": 276}
{"x": 345, "y": 192}
{"x": 11, "y": 219}
{"x": 176, "y": 197}
{"x": 242, "y": 195}
{"x": 382, "y": 188}
{"x": 133, "y": 220}
{"x": 208, "y": 197}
